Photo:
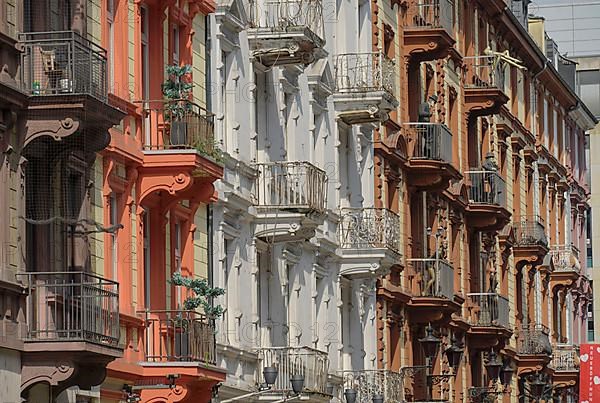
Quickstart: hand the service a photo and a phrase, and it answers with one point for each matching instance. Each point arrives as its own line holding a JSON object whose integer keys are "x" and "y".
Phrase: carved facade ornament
{"x": 55, "y": 129}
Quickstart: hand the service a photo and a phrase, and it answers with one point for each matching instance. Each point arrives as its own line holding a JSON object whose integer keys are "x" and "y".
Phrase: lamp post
{"x": 454, "y": 354}
{"x": 430, "y": 345}
{"x": 493, "y": 366}
{"x": 506, "y": 375}
{"x": 539, "y": 386}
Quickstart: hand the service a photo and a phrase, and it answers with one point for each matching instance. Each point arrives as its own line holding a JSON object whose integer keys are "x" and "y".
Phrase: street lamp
{"x": 430, "y": 345}
{"x": 537, "y": 386}
{"x": 506, "y": 374}
{"x": 493, "y": 365}
{"x": 454, "y": 354}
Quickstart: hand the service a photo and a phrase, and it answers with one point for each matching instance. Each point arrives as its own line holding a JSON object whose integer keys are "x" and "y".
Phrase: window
{"x": 145, "y": 54}
{"x": 110, "y": 20}
{"x": 588, "y": 87}
{"x": 114, "y": 220}
{"x": 175, "y": 44}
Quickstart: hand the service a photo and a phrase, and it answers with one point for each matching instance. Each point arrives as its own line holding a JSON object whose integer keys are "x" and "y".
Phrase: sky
{"x": 574, "y": 24}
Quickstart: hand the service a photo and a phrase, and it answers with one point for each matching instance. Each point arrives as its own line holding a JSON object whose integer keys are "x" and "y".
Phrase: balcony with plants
{"x": 180, "y": 154}
{"x": 369, "y": 240}
{"x": 487, "y": 209}
{"x": 290, "y": 199}
{"x": 430, "y": 155}
{"x": 284, "y": 32}
{"x": 365, "y": 87}
{"x": 429, "y": 29}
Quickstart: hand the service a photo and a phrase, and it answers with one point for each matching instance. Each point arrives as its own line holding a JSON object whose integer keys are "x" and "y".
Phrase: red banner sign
{"x": 589, "y": 373}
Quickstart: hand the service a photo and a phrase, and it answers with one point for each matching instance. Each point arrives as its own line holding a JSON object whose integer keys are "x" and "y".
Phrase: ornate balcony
{"x": 291, "y": 199}
{"x": 565, "y": 363}
{"x": 484, "y": 394}
{"x": 311, "y": 363}
{"x": 429, "y": 29}
{"x": 533, "y": 347}
{"x": 487, "y": 200}
{"x": 489, "y": 318}
{"x": 286, "y": 32}
{"x": 180, "y": 157}
{"x": 73, "y": 322}
{"x": 567, "y": 269}
{"x": 369, "y": 241}
{"x": 365, "y": 87}
{"x": 67, "y": 73}
{"x": 484, "y": 88}
{"x": 174, "y": 336}
{"x": 530, "y": 244}
{"x": 430, "y": 155}
{"x": 433, "y": 289}
{"x": 369, "y": 383}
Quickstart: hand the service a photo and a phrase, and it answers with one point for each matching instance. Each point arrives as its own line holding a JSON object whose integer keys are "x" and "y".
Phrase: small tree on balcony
{"x": 177, "y": 90}
{"x": 204, "y": 294}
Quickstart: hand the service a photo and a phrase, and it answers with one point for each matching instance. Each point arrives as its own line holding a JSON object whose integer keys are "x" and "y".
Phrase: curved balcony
{"x": 487, "y": 200}
{"x": 66, "y": 72}
{"x": 365, "y": 87}
{"x": 291, "y": 200}
{"x": 369, "y": 241}
{"x": 433, "y": 289}
{"x": 489, "y": 319}
{"x": 369, "y": 383}
{"x": 567, "y": 267}
{"x": 286, "y": 32}
{"x": 531, "y": 244}
{"x": 484, "y": 88}
{"x": 534, "y": 350}
{"x": 429, "y": 29}
{"x": 72, "y": 319}
{"x": 430, "y": 155}
{"x": 565, "y": 363}
{"x": 180, "y": 157}
{"x": 311, "y": 363}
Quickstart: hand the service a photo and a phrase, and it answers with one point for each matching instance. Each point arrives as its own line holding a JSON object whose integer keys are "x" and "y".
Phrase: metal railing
{"x": 311, "y": 363}
{"x": 435, "y": 277}
{"x": 483, "y": 394}
{"x": 287, "y": 16}
{"x": 72, "y": 306}
{"x": 432, "y": 14}
{"x": 365, "y": 72}
{"x": 431, "y": 141}
{"x": 485, "y": 72}
{"x": 565, "y": 358}
{"x": 178, "y": 124}
{"x": 486, "y": 187}
{"x": 565, "y": 258}
{"x": 530, "y": 231}
{"x": 489, "y": 309}
{"x": 62, "y": 62}
{"x": 362, "y": 228}
{"x": 533, "y": 339}
{"x": 291, "y": 185}
{"x": 178, "y": 335}
{"x": 368, "y": 383}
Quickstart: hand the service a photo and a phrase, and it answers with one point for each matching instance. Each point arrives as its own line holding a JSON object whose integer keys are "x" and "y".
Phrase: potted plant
{"x": 177, "y": 90}
{"x": 203, "y": 295}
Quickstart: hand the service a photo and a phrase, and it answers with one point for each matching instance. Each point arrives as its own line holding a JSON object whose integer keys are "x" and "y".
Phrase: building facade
{"x": 106, "y": 180}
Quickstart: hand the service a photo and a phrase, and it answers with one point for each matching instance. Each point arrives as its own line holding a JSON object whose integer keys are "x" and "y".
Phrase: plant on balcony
{"x": 203, "y": 294}
{"x": 177, "y": 89}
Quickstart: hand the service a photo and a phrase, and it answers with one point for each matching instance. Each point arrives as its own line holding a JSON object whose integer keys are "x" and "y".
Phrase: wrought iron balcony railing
{"x": 368, "y": 383}
{"x": 177, "y": 335}
{"x": 533, "y": 340}
{"x": 432, "y": 14}
{"x": 62, "y": 62}
{"x": 292, "y": 185}
{"x": 311, "y": 363}
{"x": 565, "y": 358}
{"x": 486, "y": 187}
{"x": 431, "y": 141}
{"x": 72, "y": 306}
{"x": 484, "y": 394}
{"x": 281, "y": 16}
{"x": 362, "y": 228}
{"x": 530, "y": 231}
{"x": 565, "y": 258}
{"x": 489, "y": 309}
{"x": 178, "y": 125}
{"x": 365, "y": 72}
{"x": 485, "y": 72}
{"x": 435, "y": 277}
